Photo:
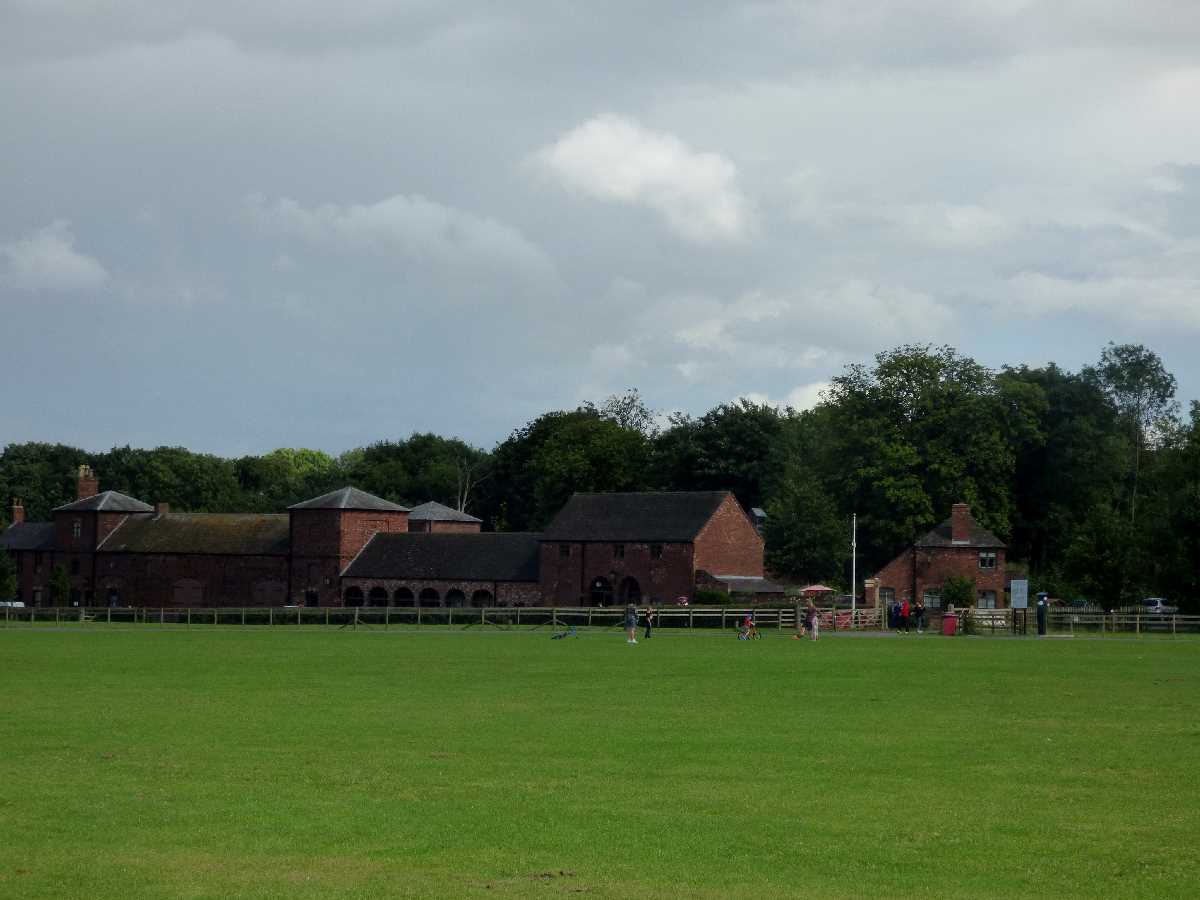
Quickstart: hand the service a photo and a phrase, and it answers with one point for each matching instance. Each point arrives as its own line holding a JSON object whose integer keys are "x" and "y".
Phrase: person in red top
{"x": 905, "y": 612}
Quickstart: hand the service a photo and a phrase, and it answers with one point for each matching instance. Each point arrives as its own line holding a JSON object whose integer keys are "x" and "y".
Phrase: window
{"x": 77, "y": 528}
{"x": 74, "y": 567}
{"x": 887, "y": 596}
{"x": 618, "y": 551}
{"x": 933, "y": 599}
{"x": 564, "y": 550}
{"x": 656, "y": 551}
{"x": 987, "y": 559}
{"x": 986, "y": 600}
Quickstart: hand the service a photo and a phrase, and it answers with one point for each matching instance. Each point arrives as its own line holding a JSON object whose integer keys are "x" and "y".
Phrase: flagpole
{"x": 853, "y": 567}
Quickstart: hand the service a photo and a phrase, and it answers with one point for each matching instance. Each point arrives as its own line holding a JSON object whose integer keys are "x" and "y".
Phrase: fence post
{"x": 271, "y": 615}
{"x": 387, "y": 616}
{"x": 298, "y": 608}
{"x": 450, "y": 619}
{"x": 589, "y": 617}
{"x": 1137, "y": 624}
{"x": 554, "y": 617}
{"x": 214, "y": 615}
{"x": 691, "y": 616}
{"x": 518, "y": 616}
{"x": 1172, "y": 626}
{"x": 243, "y": 617}
{"x": 189, "y": 617}
{"x": 482, "y": 620}
{"x": 108, "y": 617}
{"x": 418, "y": 612}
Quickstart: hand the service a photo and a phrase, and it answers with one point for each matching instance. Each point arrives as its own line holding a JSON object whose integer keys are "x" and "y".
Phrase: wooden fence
{"x": 672, "y": 617}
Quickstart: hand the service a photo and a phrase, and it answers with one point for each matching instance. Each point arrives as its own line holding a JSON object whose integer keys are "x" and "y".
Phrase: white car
{"x": 1157, "y": 606}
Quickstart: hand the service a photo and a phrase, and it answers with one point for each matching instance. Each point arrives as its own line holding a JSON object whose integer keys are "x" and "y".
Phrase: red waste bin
{"x": 950, "y": 624}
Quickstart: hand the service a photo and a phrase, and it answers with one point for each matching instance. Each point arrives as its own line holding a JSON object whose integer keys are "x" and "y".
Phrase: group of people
{"x": 905, "y": 614}
{"x": 748, "y": 630}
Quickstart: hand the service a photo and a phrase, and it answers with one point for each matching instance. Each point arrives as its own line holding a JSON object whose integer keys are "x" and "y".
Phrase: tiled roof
{"x": 107, "y": 501}
{"x": 979, "y": 536}
{"x": 224, "y": 533}
{"x": 634, "y": 517}
{"x": 490, "y": 556}
{"x": 28, "y": 536}
{"x": 746, "y": 584}
{"x": 349, "y": 498}
{"x": 437, "y": 512}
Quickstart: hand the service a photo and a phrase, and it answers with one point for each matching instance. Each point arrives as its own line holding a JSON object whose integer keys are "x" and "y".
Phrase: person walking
{"x": 905, "y": 610}
{"x": 813, "y": 616}
{"x": 649, "y": 621}
{"x": 631, "y": 624}
{"x": 919, "y": 614}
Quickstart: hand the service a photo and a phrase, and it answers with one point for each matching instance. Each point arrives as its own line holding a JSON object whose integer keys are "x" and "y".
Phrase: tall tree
{"x": 1142, "y": 390}
{"x": 8, "y": 576}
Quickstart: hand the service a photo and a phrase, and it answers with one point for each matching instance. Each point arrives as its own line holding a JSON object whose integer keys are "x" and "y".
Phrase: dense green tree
{"x": 807, "y": 540}
{"x": 1142, "y": 391}
{"x": 728, "y": 448}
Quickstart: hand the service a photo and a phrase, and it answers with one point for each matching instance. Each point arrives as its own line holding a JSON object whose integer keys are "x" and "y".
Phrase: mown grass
{"x": 228, "y": 763}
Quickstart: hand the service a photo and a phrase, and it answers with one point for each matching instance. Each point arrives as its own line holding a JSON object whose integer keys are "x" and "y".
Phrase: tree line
{"x": 1091, "y": 477}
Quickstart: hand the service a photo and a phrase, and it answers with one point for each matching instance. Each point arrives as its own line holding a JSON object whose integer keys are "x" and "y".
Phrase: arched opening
{"x": 456, "y": 598}
{"x": 430, "y": 597}
{"x": 378, "y": 596}
{"x": 403, "y": 597}
{"x": 482, "y": 598}
{"x": 311, "y": 598}
{"x": 352, "y": 596}
{"x": 601, "y": 591}
{"x": 631, "y": 591}
{"x": 187, "y": 592}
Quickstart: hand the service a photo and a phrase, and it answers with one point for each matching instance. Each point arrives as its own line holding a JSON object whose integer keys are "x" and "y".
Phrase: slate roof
{"x": 28, "y": 536}
{"x": 489, "y": 556}
{"x": 107, "y": 501}
{"x": 438, "y": 512}
{"x": 224, "y": 533}
{"x": 646, "y": 516}
{"x": 747, "y": 584}
{"x": 979, "y": 536}
{"x": 349, "y": 498}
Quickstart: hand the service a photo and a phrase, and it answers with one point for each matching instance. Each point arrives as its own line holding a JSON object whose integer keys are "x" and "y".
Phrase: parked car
{"x": 1157, "y": 606}
{"x": 13, "y": 603}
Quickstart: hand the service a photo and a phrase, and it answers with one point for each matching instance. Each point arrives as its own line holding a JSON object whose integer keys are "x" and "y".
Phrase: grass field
{"x": 231, "y": 763}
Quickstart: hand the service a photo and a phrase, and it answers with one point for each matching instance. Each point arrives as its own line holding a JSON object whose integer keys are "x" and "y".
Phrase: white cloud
{"x": 1168, "y": 302}
{"x": 801, "y": 397}
{"x": 410, "y": 226}
{"x": 48, "y": 261}
{"x": 615, "y": 158}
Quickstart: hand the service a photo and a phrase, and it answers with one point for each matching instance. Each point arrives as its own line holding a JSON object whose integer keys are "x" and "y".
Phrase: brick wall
{"x": 728, "y": 544}
{"x": 144, "y": 579}
{"x": 323, "y": 543}
{"x": 933, "y": 565}
{"x": 566, "y": 581}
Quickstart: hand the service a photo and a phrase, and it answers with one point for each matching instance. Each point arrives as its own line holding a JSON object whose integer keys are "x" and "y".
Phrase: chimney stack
{"x": 960, "y": 524}
{"x": 88, "y": 484}
{"x": 161, "y": 509}
{"x": 18, "y": 511}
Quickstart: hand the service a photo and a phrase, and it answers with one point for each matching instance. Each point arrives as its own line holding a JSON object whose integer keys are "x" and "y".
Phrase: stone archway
{"x": 377, "y": 597}
{"x": 430, "y": 597}
{"x": 456, "y": 598}
{"x": 403, "y": 597}
{"x": 352, "y": 596}
{"x": 631, "y": 591}
{"x": 482, "y": 598}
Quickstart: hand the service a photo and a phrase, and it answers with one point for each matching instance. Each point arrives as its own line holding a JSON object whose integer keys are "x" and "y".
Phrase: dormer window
{"x": 77, "y": 528}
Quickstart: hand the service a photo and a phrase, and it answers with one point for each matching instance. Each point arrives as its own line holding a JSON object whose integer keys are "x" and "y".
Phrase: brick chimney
{"x": 960, "y": 524}
{"x": 88, "y": 484}
{"x": 161, "y": 509}
{"x": 18, "y": 511}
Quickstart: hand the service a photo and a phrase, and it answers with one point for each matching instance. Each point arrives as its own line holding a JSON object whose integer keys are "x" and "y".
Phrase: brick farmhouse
{"x": 350, "y": 548}
{"x": 959, "y": 546}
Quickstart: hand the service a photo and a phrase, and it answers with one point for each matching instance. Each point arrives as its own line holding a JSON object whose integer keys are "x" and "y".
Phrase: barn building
{"x": 349, "y": 547}
{"x": 960, "y": 547}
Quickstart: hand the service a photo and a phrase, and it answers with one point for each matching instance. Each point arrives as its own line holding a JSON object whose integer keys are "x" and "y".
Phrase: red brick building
{"x": 626, "y": 548}
{"x": 959, "y": 546}
{"x": 349, "y": 547}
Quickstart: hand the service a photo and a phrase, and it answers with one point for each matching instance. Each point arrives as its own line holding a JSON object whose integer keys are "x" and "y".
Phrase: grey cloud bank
{"x": 239, "y": 227}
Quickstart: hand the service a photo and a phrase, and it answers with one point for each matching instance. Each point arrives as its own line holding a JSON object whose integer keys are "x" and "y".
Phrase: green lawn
{"x": 313, "y": 763}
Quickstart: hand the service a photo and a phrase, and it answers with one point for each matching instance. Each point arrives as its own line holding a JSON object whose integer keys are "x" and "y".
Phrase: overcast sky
{"x": 237, "y": 226}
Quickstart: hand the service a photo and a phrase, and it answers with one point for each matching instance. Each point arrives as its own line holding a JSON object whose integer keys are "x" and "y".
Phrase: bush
{"x": 712, "y": 598}
{"x": 958, "y": 591}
